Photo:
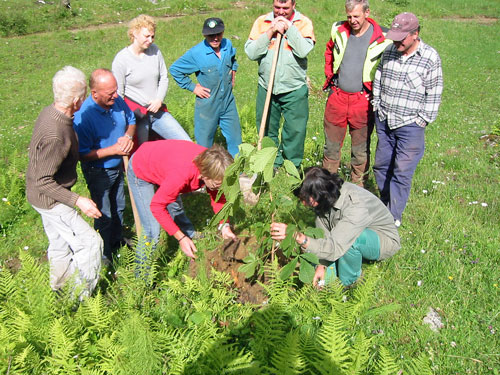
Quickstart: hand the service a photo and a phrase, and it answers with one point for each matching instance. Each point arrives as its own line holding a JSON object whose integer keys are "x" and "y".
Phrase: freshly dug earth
{"x": 228, "y": 258}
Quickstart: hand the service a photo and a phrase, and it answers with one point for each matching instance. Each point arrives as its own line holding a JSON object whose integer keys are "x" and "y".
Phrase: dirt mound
{"x": 228, "y": 258}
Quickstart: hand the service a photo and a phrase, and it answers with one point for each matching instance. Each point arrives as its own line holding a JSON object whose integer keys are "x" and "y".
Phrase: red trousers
{"x": 353, "y": 109}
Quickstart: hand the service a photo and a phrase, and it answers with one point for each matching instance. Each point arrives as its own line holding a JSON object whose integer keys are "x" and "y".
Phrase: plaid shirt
{"x": 407, "y": 91}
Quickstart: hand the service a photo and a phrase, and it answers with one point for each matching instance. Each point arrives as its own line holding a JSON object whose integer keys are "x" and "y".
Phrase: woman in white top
{"x": 141, "y": 74}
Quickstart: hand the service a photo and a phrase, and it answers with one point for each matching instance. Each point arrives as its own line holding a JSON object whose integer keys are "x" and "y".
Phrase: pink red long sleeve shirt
{"x": 169, "y": 165}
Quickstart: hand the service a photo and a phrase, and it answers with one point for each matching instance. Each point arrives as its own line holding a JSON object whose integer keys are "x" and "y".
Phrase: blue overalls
{"x": 215, "y": 74}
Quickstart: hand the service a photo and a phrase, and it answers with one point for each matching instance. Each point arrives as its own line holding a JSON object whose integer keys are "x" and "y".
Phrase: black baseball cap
{"x": 213, "y": 26}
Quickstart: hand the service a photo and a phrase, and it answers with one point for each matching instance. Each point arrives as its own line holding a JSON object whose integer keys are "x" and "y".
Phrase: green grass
{"x": 449, "y": 243}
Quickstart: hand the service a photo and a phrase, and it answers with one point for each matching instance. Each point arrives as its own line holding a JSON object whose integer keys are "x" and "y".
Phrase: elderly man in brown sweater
{"x": 75, "y": 248}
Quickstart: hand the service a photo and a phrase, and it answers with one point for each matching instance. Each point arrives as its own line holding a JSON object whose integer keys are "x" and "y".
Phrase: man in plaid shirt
{"x": 406, "y": 96}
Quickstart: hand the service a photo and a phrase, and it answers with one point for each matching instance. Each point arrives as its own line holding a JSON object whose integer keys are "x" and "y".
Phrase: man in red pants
{"x": 351, "y": 59}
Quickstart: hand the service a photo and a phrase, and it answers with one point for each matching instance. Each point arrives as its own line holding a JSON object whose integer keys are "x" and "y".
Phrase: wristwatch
{"x": 304, "y": 241}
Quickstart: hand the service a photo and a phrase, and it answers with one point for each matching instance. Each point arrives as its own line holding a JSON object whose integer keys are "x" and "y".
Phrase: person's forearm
{"x": 100, "y": 153}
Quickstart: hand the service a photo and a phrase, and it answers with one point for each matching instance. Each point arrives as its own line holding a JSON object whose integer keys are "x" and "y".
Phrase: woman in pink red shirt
{"x": 176, "y": 167}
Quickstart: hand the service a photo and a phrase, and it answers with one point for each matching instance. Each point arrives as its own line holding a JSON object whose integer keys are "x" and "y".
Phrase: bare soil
{"x": 228, "y": 258}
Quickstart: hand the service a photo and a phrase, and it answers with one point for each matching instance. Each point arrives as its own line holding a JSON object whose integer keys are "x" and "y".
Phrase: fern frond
{"x": 333, "y": 343}
{"x": 309, "y": 350}
{"x": 109, "y": 350}
{"x": 95, "y": 313}
{"x": 386, "y": 364}
{"x": 360, "y": 354}
{"x": 363, "y": 293}
{"x": 223, "y": 358}
{"x": 62, "y": 347}
{"x": 27, "y": 361}
{"x": 270, "y": 327}
{"x": 286, "y": 360}
{"x": 20, "y": 324}
{"x": 277, "y": 289}
{"x": 139, "y": 355}
{"x": 7, "y": 284}
{"x": 419, "y": 366}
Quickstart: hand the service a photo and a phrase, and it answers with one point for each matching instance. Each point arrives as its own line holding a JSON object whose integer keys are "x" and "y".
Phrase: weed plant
{"x": 450, "y": 234}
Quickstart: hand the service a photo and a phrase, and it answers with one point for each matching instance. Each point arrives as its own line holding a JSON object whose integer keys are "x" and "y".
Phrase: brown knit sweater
{"x": 53, "y": 155}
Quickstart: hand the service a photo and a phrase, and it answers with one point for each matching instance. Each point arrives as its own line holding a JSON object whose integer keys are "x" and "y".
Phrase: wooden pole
{"x": 270, "y": 85}
{"x": 137, "y": 220}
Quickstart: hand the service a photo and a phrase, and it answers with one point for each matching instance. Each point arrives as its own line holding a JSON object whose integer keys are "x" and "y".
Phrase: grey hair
{"x": 351, "y": 4}
{"x": 69, "y": 84}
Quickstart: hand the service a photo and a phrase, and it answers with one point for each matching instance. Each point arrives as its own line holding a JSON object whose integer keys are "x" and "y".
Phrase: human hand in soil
{"x": 319, "y": 275}
{"x": 188, "y": 247}
{"x": 278, "y": 231}
{"x": 227, "y": 233}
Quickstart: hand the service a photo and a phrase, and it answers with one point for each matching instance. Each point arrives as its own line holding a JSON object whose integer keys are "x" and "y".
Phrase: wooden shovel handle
{"x": 137, "y": 220}
{"x": 263, "y": 122}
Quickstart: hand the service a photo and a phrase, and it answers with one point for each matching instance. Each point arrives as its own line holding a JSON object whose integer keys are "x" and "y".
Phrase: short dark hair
{"x": 322, "y": 186}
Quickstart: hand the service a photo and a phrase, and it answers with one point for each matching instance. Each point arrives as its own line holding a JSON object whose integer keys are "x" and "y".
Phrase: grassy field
{"x": 451, "y": 232}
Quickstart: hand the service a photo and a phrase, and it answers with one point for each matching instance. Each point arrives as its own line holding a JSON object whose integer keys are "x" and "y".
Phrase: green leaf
{"x": 306, "y": 272}
{"x": 267, "y": 142}
{"x": 310, "y": 257}
{"x": 249, "y": 268}
{"x": 287, "y": 270}
{"x": 314, "y": 232}
{"x": 245, "y": 150}
{"x": 222, "y": 215}
{"x": 286, "y": 202}
{"x": 291, "y": 169}
{"x": 261, "y": 158}
{"x": 199, "y": 317}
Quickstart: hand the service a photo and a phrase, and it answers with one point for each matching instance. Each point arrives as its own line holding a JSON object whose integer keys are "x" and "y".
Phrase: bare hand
{"x": 280, "y": 24}
{"x": 154, "y": 105}
{"x": 201, "y": 92}
{"x": 88, "y": 207}
{"x": 227, "y": 233}
{"x": 188, "y": 247}
{"x": 278, "y": 231}
{"x": 124, "y": 145}
{"x": 319, "y": 275}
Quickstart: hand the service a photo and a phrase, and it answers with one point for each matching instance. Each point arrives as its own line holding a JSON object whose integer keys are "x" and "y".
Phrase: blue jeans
{"x": 106, "y": 189}
{"x": 348, "y": 266}
{"x": 398, "y": 153}
{"x": 162, "y": 123}
{"x": 217, "y": 111}
{"x": 143, "y": 193}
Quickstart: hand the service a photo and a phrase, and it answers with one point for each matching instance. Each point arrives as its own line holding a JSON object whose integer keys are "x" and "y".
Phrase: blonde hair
{"x": 212, "y": 162}
{"x": 69, "y": 84}
{"x": 138, "y": 23}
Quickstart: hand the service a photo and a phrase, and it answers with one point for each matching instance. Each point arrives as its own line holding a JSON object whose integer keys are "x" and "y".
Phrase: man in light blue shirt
{"x": 105, "y": 127}
{"x": 213, "y": 62}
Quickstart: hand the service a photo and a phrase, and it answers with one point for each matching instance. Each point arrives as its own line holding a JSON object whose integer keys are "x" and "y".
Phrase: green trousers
{"x": 294, "y": 106}
{"x": 348, "y": 266}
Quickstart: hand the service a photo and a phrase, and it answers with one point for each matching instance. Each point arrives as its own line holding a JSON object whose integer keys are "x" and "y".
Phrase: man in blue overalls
{"x": 214, "y": 63}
